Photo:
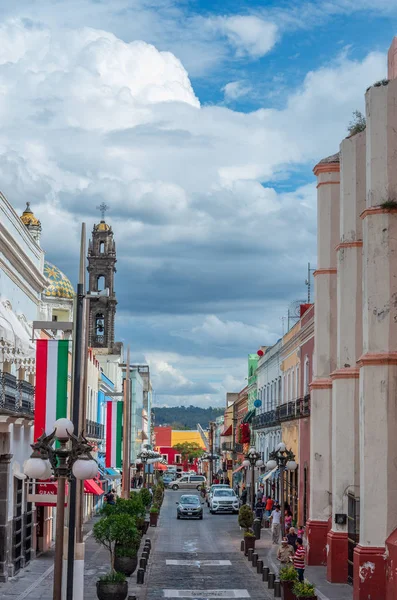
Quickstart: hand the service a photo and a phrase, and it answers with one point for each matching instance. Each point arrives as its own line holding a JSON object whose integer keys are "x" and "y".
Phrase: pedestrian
{"x": 292, "y": 537}
{"x": 227, "y": 480}
{"x": 269, "y": 507}
{"x": 133, "y": 482}
{"x": 285, "y": 552}
{"x": 287, "y": 520}
{"x": 237, "y": 489}
{"x": 301, "y": 531}
{"x": 140, "y": 481}
{"x": 110, "y": 497}
{"x": 276, "y": 521}
{"x": 299, "y": 559}
{"x": 259, "y": 510}
{"x": 244, "y": 496}
{"x": 259, "y": 494}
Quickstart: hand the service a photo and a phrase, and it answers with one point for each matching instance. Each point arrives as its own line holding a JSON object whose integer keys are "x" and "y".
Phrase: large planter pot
{"x": 286, "y": 590}
{"x": 249, "y": 542}
{"x": 125, "y": 564}
{"x": 153, "y": 519}
{"x": 111, "y": 591}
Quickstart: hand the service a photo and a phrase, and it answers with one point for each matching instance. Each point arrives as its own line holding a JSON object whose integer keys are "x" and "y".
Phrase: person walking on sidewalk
{"x": 292, "y": 537}
{"x": 299, "y": 559}
{"x": 276, "y": 524}
{"x": 285, "y": 552}
{"x": 269, "y": 507}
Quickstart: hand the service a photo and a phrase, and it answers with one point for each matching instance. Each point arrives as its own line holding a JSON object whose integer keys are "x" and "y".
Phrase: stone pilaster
{"x": 378, "y": 363}
{"x": 328, "y": 180}
{"x": 345, "y": 383}
{"x": 5, "y": 541}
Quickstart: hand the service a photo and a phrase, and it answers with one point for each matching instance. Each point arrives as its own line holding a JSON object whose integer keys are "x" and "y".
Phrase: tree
{"x": 189, "y": 450}
{"x": 358, "y": 123}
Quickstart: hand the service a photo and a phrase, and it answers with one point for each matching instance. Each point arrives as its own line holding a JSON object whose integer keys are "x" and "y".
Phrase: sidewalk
{"x": 317, "y": 575}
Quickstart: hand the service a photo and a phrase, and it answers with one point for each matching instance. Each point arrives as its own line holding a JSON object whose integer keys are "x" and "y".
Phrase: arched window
{"x": 101, "y": 247}
{"x": 99, "y": 327}
{"x": 100, "y": 283}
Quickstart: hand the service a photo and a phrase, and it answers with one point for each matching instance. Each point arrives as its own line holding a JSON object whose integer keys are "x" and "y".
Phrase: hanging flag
{"x": 114, "y": 420}
{"x": 51, "y": 395}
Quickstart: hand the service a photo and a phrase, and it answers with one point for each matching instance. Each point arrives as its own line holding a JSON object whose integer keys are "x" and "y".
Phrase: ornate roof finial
{"x": 103, "y": 208}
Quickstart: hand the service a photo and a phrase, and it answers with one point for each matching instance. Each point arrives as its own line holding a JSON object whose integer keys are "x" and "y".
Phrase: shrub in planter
{"x": 158, "y": 496}
{"x": 288, "y": 577}
{"x": 154, "y": 515}
{"x": 249, "y": 541}
{"x": 304, "y": 590}
{"x": 112, "y": 586}
{"x": 146, "y": 497}
{"x": 245, "y": 520}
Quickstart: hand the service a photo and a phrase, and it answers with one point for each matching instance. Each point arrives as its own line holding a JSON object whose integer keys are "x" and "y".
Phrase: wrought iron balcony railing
{"x": 16, "y": 396}
{"x": 94, "y": 429}
{"x": 288, "y": 411}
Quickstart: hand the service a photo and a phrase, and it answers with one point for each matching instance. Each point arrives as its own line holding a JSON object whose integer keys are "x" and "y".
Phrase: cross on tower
{"x": 103, "y": 208}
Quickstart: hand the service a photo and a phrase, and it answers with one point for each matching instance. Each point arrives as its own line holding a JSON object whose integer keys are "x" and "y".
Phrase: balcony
{"x": 94, "y": 430}
{"x": 288, "y": 411}
{"x": 228, "y": 446}
{"x": 16, "y": 396}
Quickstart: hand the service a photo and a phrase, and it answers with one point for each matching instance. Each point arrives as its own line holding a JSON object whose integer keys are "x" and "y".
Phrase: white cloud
{"x": 235, "y": 90}
{"x": 250, "y": 35}
{"x": 214, "y": 331}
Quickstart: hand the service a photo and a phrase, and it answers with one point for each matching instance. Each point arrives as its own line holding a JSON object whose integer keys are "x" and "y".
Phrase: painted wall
{"x": 162, "y": 436}
{"x": 136, "y": 413}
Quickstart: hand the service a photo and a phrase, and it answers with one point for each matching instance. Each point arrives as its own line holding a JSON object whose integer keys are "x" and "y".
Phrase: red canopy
{"x": 91, "y": 487}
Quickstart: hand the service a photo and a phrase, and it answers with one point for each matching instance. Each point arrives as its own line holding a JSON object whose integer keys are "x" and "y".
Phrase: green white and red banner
{"x": 114, "y": 425}
{"x": 51, "y": 396}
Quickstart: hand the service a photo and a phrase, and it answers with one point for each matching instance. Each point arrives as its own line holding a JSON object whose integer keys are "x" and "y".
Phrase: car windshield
{"x": 219, "y": 486}
{"x": 223, "y": 493}
{"x": 189, "y": 500}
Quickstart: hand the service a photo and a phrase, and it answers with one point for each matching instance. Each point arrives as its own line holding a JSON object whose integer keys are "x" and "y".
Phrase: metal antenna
{"x": 308, "y": 281}
{"x": 103, "y": 208}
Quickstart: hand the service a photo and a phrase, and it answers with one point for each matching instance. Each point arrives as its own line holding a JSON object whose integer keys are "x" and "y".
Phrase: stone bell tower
{"x": 101, "y": 269}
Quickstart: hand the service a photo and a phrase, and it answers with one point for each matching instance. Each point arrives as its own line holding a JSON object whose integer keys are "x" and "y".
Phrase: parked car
{"x": 167, "y": 478}
{"x": 224, "y": 500}
{"x": 188, "y": 482}
{"x": 213, "y": 487}
{"x": 189, "y": 507}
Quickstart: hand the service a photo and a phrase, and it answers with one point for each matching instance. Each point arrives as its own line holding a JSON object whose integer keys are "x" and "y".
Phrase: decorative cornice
{"x": 356, "y": 244}
{"x": 346, "y": 373}
{"x": 327, "y": 183}
{"x": 330, "y": 271}
{"x": 377, "y": 210}
{"x": 377, "y": 358}
{"x": 21, "y": 261}
{"x": 332, "y": 167}
{"x": 18, "y": 281}
{"x": 321, "y": 384}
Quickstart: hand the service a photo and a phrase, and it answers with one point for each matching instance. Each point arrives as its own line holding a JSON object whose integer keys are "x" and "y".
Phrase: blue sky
{"x": 199, "y": 124}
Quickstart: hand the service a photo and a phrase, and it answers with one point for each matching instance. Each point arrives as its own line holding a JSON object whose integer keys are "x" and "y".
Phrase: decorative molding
{"x": 377, "y": 358}
{"x": 357, "y": 244}
{"x": 329, "y": 271}
{"x": 346, "y": 373}
{"x": 323, "y": 383}
{"x": 326, "y": 168}
{"x": 327, "y": 183}
{"x": 377, "y": 210}
{"x": 21, "y": 261}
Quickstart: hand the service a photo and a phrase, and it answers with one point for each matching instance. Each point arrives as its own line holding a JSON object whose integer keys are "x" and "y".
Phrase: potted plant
{"x": 146, "y": 497}
{"x": 304, "y": 589}
{"x": 154, "y": 515}
{"x": 126, "y": 551}
{"x": 110, "y": 531}
{"x": 158, "y": 496}
{"x": 288, "y": 577}
{"x": 245, "y": 520}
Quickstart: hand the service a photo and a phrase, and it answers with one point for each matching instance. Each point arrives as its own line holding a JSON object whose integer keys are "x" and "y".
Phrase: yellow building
{"x": 187, "y": 436}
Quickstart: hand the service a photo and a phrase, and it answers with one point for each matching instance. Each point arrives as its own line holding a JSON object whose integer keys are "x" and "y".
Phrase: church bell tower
{"x": 101, "y": 269}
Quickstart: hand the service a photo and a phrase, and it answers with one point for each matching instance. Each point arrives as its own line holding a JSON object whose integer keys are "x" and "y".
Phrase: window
{"x": 178, "y": 459}
{"x": 165, "y": 457}
{"x": 101, "y": 247}
{"x": 100, "y": 325}
{"x": 306, "y": 377}
{"x": 196, "y": 478}
{"x": 100, "y": 283}
{"x": 184, "y": 479}
{"x": 54, "y": 318}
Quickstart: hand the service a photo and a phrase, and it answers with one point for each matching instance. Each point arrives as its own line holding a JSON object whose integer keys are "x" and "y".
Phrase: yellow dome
{"x": 28, "y": 217}
{"x": 59, "y": 284}
{"x": 102, "y": 226}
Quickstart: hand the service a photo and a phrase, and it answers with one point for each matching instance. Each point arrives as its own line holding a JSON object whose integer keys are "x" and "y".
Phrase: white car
{"x": 215, "y": 486}
{"x": 224, "y": 500}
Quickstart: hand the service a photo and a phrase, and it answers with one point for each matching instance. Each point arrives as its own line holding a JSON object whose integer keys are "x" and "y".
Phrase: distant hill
{"x": 185, "y": 417}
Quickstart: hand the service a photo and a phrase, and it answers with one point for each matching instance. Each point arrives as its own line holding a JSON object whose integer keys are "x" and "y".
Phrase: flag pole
{"x": 75, "y": 487}
{"x": 126, "y": 481}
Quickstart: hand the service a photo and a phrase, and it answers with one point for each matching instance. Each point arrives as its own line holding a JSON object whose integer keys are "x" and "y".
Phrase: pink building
{"x": 353, "y": 447}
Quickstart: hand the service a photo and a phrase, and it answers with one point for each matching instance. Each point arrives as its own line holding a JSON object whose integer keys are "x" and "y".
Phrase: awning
{"x": 113, "y": 473}
{"x": 248, "y": 417}
{"x": 227, "y": 431}
{"x": 266, "y": 476}
{"x": 91, "y": 487}
{"x": 239, "y": 469}
{"x": 160, "y": 467}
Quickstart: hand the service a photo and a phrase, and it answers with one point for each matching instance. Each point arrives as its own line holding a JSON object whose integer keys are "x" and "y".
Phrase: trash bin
{"x": 257, "y": 529}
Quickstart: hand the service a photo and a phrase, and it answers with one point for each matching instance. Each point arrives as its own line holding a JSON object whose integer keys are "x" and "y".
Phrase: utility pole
{"x": 211, "y": 451}
{"x": 234, "y": 427}
{"x": 308, "y": 281}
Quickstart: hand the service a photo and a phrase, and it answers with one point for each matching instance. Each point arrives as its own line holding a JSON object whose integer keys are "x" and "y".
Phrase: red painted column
{"x": 369, "y": 573}
{"x": 317, "y": 542}
{"x": 337, "y": 557}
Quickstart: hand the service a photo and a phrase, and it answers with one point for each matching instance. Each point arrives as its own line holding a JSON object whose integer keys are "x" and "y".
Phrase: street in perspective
{"x": 198, "y": 300}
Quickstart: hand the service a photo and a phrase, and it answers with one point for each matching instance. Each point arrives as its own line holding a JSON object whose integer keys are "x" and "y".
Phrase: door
{"x": 196, "y": 481}
{"x": 183, "y": 482}
{"x": 353, "y": 532}
{"x": 17, "y": 526}
{"x": 28, "y": 531}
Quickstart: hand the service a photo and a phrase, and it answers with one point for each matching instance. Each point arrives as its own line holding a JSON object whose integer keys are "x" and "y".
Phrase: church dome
{"x": 28, "y": 217}
{"x": 102, "y": 226}
{"x": 59, "y": 284}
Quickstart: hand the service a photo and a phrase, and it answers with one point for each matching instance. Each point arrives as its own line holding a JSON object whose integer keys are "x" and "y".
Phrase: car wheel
{"x": 198, "y": 487}
{"x": 201, "y": 517}
{"x": 175, "y": 487}
{"x": 178, "y": 517}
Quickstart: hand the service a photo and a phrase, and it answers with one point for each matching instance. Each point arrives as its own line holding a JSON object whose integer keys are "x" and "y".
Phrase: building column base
{"x": 369, "y": 573}
{"x": 391, "y": 550}
{"x": 317, "y": 542}
{"x": 337, "y": 557}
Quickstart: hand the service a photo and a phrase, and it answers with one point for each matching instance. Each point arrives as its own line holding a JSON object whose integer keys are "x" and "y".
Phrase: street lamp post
{"x": 147, "y": 456}
{"x": 285, "y": 460}
{"x": 73, "y": 456}
{"x": 252, "y": 459}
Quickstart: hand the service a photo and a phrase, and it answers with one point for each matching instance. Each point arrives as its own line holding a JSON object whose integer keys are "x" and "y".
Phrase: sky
{"x": 198, "y": 123}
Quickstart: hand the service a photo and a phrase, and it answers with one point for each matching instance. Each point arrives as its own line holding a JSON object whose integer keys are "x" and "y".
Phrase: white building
{"x": 21, "y": 285}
